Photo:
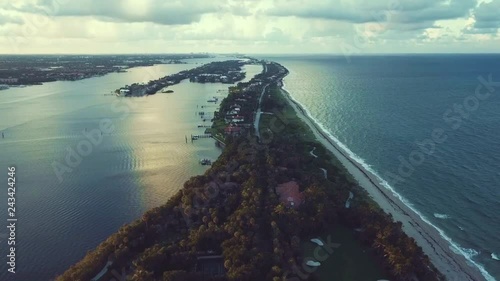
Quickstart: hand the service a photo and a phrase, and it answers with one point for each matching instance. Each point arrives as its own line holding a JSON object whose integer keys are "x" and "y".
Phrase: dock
{"x": 204, "y": 136}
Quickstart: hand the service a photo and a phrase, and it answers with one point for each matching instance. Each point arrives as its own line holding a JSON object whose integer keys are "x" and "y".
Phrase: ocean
{"x": 386, "y": 110}
{"x": 428, "y": 125}
{"x": 66, "y": 206}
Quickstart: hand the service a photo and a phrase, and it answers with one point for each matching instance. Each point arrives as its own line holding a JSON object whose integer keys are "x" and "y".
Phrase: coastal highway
{"x": 259, "y": 108}
{"x": 259, "y": 113}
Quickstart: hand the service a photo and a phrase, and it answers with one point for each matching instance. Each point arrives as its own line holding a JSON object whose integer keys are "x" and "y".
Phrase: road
{"x": 259, "y": 113}
{"x": 259, "y": 108}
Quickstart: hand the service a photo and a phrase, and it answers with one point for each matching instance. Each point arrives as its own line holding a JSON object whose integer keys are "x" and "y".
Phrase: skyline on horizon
{"x": 353, "y": 27}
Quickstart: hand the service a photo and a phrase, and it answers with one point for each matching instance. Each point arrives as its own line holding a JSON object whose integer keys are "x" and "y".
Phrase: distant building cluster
{"x": 9, "y": 80}
{"x": 230, "y": 77}
{"x": 237, "y": 117}
{"x": 33, "y": 70}
{"x": 215, "y": 72}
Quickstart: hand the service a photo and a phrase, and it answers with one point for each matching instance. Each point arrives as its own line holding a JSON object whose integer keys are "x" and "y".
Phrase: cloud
{"x": 277, "y": 35}
{"x": 247, "y": 26}
{"x": 486, "y": 18}
{"x": 6, "y": 18}
{"x": 173, "y": 12}
{"x": 395, "y": 12}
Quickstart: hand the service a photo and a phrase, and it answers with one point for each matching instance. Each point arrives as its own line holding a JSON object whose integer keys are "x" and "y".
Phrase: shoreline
{"x": 453, "y": 266}
{"x": 160, "y": 179}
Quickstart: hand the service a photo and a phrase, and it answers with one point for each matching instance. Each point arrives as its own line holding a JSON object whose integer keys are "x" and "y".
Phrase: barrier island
{"x": 276, "y": 205}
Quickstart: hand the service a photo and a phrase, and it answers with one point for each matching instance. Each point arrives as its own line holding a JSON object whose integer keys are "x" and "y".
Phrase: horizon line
{"x": 249, "y": 54}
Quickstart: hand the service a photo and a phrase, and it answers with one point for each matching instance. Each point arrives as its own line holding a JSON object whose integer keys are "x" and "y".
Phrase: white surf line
{"x": 433, "y": 241}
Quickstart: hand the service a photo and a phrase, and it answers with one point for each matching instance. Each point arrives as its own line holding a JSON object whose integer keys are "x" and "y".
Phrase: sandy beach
{"x": 453, "y": 266}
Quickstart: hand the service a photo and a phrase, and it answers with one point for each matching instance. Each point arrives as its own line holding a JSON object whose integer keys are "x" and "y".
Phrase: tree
{"x": 142, "y": 275}
{"x": 175, "y": 275}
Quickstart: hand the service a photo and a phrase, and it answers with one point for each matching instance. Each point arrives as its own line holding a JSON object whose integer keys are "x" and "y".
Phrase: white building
{"x": 124, "y": 92}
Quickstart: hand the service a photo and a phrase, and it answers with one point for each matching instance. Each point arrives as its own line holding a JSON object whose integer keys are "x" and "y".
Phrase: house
{"x": 9, "y": 80}
{"x": 233, "y": 112}
{"x": 234, "y": 117}
{"x": 289, "y": 194}
{"x": 232, "y": 130}
{"x": 238, "y": 119}
{"x": 236, "y": 107}
{"x": 124, "y": 92}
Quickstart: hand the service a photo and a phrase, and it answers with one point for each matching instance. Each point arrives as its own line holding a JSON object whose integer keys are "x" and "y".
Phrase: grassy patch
{"x": 349, "y": 262}
{"x": 284, "y": 119}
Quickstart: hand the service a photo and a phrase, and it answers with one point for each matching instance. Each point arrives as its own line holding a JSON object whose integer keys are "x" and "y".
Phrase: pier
{"x": 219, "y": 141}
{"x": 204, "y": 136}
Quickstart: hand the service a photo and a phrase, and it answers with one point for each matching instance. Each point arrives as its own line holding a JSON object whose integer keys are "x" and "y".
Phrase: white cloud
{"x": 170, "y": 12}
{"x": 486, "y": 19}
{"x": 9, "y": 18}
{"x": 247, "y": 26}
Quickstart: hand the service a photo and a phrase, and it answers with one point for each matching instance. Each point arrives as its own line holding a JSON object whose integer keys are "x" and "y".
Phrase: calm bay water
{"x": 379, "y": 107}
{"x": 138, "y": 166}
{"x": 382, "y": 107}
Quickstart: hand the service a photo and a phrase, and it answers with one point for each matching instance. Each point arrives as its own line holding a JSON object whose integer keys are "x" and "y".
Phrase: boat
{"x": 167, "y": 91}
{"x": 205, "y": 161}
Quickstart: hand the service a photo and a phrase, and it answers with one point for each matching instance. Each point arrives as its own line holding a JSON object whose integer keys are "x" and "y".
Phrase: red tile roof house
{"x": 232, "y": 130}
{"x": 289, "y": 194}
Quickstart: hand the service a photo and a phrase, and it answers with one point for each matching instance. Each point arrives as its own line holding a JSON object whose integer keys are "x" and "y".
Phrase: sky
{"x": 249, "y": 26}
